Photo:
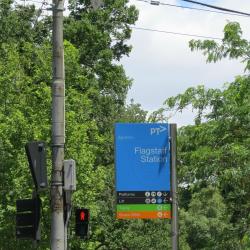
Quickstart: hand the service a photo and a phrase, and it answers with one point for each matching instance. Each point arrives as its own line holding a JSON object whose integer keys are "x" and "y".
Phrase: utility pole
{"x": 58, "y": 129}
{"x": 174, "y": 220}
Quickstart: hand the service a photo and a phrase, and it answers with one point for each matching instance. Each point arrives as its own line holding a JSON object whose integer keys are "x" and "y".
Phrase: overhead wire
{"x": 236, "y": 13}
{"x": 175, "y": 33}
{"x": 193, "y": 8}
{"x": 205, "y": 10}
{"x": 217, "y": 7}
{"x": 156, "y": 30}
{"x": 34, "y": 1}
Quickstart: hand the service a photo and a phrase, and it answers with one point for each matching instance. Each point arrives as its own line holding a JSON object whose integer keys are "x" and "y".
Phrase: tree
{"x": 95, "y": 95}
{"x": 233, "y": 45}
{"x": 100, "y": 36}
{"x": 215, "y": 151}
{"x": 133, "y": 113}
{"x": 206, "y": 222}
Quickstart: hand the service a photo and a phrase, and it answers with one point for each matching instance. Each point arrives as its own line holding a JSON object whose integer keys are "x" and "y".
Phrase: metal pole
{"x": 174, "y": 221}
{"x": 58, "y": 129}
{"x": 69, "y": 208}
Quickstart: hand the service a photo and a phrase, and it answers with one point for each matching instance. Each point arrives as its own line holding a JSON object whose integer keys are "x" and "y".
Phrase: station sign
{"x": 142, "y": 159}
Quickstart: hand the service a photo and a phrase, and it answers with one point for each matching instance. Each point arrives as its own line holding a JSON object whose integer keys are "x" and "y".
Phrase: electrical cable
{"x": 217, "y": 7}
{"x": 199, "y": 9}
{"x": 193, "y": 8}
{"x": 175, "y": 33}
{"x": 35, "y": 1}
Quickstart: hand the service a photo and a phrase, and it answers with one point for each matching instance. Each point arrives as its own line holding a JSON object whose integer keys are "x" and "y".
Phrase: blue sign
{"x": 142, "y": 156}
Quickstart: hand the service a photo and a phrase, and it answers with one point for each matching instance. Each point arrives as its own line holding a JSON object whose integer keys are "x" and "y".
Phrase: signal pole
{"x": 58, "y": 129}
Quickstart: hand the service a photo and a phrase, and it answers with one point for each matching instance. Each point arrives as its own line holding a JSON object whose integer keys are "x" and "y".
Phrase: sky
{"x": 162, "y": 65}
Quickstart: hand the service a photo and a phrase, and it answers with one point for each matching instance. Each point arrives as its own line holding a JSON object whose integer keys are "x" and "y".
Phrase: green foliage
{"x": 133, "y": 113}
{"x": 207, "y": 223}
{"x": 215, "y": 153}
{"x": 214, "y": 158}
{"x": 23, "y": 103}
{"x": 233, "y": 45}
{"x": 214, "y": 166}
{"x": 96, "y": 88}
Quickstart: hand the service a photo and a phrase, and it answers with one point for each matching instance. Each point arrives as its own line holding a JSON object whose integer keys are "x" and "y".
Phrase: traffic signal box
{"x": 36, "y": 154}
{"x": 28, "y": 218}
{"x": 82, "y": 222}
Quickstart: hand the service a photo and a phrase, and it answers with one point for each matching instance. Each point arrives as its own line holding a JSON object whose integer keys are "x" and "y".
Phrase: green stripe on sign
{"x": 143, "y": 207}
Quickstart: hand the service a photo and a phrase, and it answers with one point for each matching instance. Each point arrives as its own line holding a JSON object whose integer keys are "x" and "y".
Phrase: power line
{"x": 199, "y": 9}
{"x": 35, "y": 1}
{"x": 175, "y": 33}
{"x": 217, "y": 7}
{"x": 191, "y": 8}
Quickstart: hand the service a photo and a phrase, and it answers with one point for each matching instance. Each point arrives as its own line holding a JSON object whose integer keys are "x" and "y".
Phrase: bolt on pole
{"x": 58, "y": 129}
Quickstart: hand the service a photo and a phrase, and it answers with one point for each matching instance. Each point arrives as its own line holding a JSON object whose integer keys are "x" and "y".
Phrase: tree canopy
{"x": 213, "y": 154}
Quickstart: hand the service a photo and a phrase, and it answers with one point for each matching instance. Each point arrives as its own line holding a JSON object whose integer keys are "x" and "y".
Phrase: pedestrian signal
{"x": 82, "y": 222}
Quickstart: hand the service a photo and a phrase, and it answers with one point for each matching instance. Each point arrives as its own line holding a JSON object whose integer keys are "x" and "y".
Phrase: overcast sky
{"x": 162, "y": 65}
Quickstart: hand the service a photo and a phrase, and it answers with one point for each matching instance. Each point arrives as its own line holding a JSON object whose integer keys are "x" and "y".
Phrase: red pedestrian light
{"x": 82, "y": 216}
{"x": 82, "y": 222}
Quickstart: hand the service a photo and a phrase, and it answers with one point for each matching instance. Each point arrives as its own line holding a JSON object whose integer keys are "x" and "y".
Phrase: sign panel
{"x": 142, "y": 156}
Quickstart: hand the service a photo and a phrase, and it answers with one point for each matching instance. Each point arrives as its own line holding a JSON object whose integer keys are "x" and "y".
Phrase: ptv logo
{"x": 158, "y": 130}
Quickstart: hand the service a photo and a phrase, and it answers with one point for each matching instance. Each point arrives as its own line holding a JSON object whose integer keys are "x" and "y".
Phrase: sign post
{"x": 142, "y": 156}
{"x": 174, "y": 221}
